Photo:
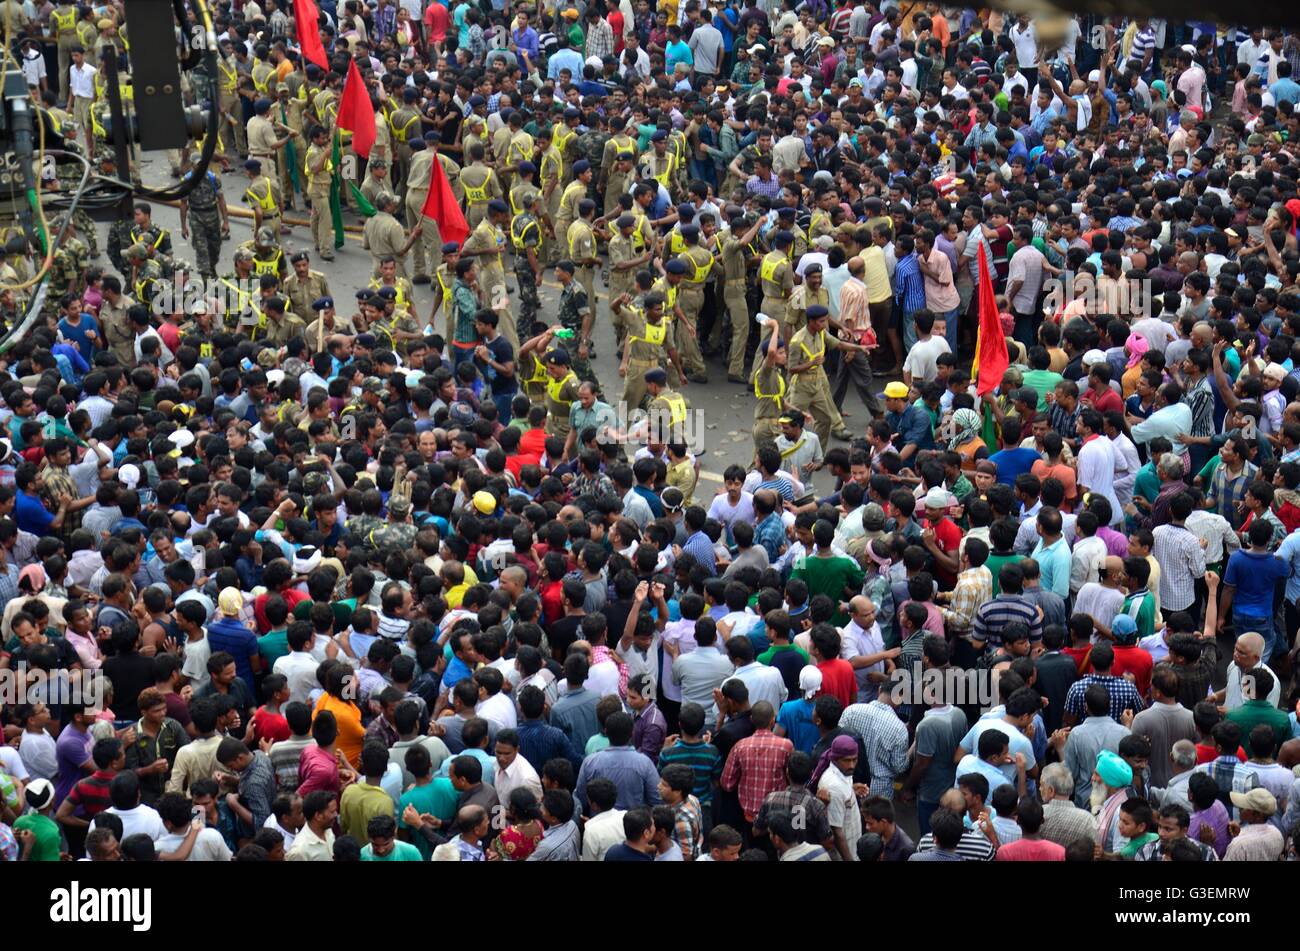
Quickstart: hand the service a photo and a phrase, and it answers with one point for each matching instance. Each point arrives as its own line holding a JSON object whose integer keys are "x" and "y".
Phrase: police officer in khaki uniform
{"x": 567, "y": 213}
{"x": 667, "y": 409}
{"x": 627, "y": 254}
{"x": 699, "y": 264}
{"x": 487, "y": 245}
{"x": 481, "y": 186}
{"x": 770, "y": 390}
{"x": 648, "y": 344}
{"x": 384, "y": 236}
{"x": 320, "y": 170}
{"x": 776, "y": 279}
{"x": 810, "y": 390}
{"x": 304, "y": 285}
{"x": 561, "y": 391}
{"x": 734, "y": 247}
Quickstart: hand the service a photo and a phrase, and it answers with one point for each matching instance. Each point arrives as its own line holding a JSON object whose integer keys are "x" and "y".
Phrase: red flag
{"x": 307, "y": 19}
{"x": 991, "y": 358}
{"x": 442, "y": 207}
{"x": 356, "y": 114}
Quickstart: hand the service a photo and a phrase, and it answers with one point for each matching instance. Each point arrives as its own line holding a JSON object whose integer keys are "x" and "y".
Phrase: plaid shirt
{"x": 884, "y": 736}
{"x": 1123, "y": 695}
{"x": 974, "y": 587}
{"x": 600, "y": 42}
{"x": 797, "y": 801}
{"x": 755, "y": 768}
{"x": 700, "y": 548}
{"x": 1065, "y": 823}
{"x": 909, "y": 287}
{"x": 688, "y": 828}
{"x": 1227, "y": 491}
{"x": 1230, "y": 775}
{"x": 1182, "y": 561}
{"x": 771, "y": 536}
{"x": 756, "y": 186}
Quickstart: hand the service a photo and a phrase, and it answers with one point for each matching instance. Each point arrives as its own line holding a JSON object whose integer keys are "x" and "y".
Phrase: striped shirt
{"x": 703, "y": 758}
{"x": 1182, "y": 560}
{"x": 90, "y": 796}
{"x": 1201, "y": 399}
{"x": 884, "y": 736}
{"x": 995, "y": 615}
{"x": 1065, "y": 823}
{"x": 1143, "y": 43}
{"x": 909, "y": 287}
{"x": 973, "y": 847}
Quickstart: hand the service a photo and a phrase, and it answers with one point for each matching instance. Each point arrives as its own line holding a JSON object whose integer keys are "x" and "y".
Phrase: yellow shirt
{"x": 875, "y": 275}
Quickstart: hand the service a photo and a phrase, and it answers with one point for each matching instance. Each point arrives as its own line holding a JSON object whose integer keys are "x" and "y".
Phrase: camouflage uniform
{"x": 146, "y": 281}
{"x": 66, "y": 272}
{"x": 393, "y": 535}
{"x": 69, "y": 176}
{"x": 119, "y": 239}
{"x": 573, "y": 306}
{"x": 525, "y": 233}
{"x": 363, "y": 525}
{"x": 205, "y": 224}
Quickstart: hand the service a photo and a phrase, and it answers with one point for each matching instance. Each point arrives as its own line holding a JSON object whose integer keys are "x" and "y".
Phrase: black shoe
{"x": 697, "y": 378}
{"x": 421, "y": 279}
{"x": 737, "y": 379}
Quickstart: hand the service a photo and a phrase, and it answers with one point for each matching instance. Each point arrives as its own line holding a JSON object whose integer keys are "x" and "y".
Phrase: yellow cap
{"x": 485, "y": 502}
{"x": 896, "y": 391}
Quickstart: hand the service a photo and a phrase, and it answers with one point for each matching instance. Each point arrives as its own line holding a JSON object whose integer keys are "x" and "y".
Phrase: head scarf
{"x": 34, "y": 575}
{"x": 840, "y": 747}
{"x": 966, "y": 426}
{"x": 1136, "y": 345}
{"x": 1113, "y": 770}
{"x": 1293, "y": 206}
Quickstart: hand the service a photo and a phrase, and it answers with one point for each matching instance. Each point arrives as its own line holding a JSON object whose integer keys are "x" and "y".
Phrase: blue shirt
{"x": 632, "y": 773}
{"x": 909, "y": 287}
{"x": 539, "y": 742}
{"x": 700, "y": 548}
{"x": 913, "y": 425}
{"x": 457, "y": 670}
{"x": 1054, "y": 560}
{"x": 1013, "y": 462}
{"x": 233, "y": 637}
{"x": 795, "y": 719}
{"x": 1254, "y": 575}
{"x": 77, "y": 335}
{"x": 651, "y": 499}
{"x": 31, "y": 514}
{"x": 569, "y": 59}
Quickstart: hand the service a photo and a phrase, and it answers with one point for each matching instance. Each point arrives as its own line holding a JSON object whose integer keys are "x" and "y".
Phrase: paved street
{"x": 727, "y": 408}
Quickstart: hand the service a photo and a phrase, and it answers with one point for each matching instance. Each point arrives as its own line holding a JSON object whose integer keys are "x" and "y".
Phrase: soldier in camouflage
{"x": 147, "y": 275}
{"x": 68, "y": 268}
{"x": 398, "y": 533}
{"x": 67, "y": 178}
{"x": 526, "y": 236}
{"x": 576, "y": 315}
{"x": 204, "y": 220}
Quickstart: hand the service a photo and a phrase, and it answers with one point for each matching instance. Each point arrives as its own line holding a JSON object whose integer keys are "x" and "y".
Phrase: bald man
{"x": 1246, "y": 655}
{"x": 868, "y": 656}
{"x": 1102, "y": 599}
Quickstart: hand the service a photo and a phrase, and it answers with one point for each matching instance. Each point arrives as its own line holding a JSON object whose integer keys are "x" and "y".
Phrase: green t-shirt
{"x": 1131, "y": 849}
{"x": 832, "y": 577}
{"x": 46, "y": 830}
{"x": 995, "y": 563}
{"x": 1043, "y": 382}
{"x": 402, "y": 852}
{"x": 437, "y": 798}
{"x": 1147, "y": 483}
{"x": 597, "y": 742}
{"x": 1145, "y": 616}
{"x": 273, "y": 645}
{"x": 767, "y": 655}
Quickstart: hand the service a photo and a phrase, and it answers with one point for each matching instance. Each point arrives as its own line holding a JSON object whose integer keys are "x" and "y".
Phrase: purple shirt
{"x": 648, "y": 732}
{"x": 526, "y": 42}
{"x": 1216, "y": 817}
{"x": 72, "y": 749}
{"x": 1116, "y": 542}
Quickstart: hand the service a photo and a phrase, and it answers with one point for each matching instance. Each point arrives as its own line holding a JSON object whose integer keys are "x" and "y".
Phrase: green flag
{"x": 290, "y": 154}
{"x": 989, "y": 432}
{"x": 363, "y": 204}
{"x": 336, "y": 183}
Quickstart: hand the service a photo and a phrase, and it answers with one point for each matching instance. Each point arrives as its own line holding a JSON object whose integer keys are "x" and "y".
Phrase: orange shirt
{"x": 352, "y": 734}
{"x": 1065, "y": 474}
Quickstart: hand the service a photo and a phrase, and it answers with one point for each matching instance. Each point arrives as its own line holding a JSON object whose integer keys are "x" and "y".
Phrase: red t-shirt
{"x": 1133, "y": 660}
{"x": 838, "y": 680}
{"x": 271, "y": 725}
{"x": 1208, "y": 754}
{"x": 437, "y": 18}
{"x": 171, "y": 335}
{"x": 532, "y": 443}
{"x": 948, "y": 537}
{"x": 291, "y": 597}
{"x": 1077, "y": 654}
{"x": 1106, "y": 402}
{"x": 1031, "y": 850}
{"x": 615, "y": 21}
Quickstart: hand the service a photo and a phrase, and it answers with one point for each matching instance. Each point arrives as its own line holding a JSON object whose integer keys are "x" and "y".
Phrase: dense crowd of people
{"x": 400, "y": 578}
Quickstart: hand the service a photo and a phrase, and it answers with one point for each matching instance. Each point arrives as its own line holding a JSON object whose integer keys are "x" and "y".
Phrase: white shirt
{"x": 208, "y": 847}
{"x": 602, "y": 678}
{"x": 499, "y": 709}
{"x": 764, "y": 683}
{"x": 142, "y": 819}
{"x": 273, "y": 823}
{"x": 299, "y": 668}
{"x": 82, "y": 80}
{"x": 601, "y": 833}
{"x": 921, "y": 358}
{"x": 33, "y": 67}
{"x": 37, "y": 752}
{"x": 1233, "y": 698}
{"x": 1097, "y": 472}
{"x": 842, "y": 812}
{"x": 519, "y": 773}
{"x": 858, "y": 642}
{"x": 1026, "y": 41}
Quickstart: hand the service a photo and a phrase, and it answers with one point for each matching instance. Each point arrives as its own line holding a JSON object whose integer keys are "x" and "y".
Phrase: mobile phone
{"x": 200, "y": 559}
{"x": 198, "y": 815}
